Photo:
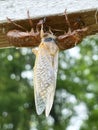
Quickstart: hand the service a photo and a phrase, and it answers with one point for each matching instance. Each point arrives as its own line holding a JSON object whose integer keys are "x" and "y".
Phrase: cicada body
{"x": 46, "y": 64}
{"x": 45, "y": 73}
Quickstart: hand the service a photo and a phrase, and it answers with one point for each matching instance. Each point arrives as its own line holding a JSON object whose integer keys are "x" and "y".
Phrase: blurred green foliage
{"x": 76, "y": 99}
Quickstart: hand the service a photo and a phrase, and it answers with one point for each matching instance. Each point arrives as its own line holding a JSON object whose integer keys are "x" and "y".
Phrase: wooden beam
{"x": 85, "y": 18}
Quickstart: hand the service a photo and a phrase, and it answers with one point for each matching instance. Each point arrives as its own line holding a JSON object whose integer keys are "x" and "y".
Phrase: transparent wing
{"x": 39, "y": 89}
{"x": 52, "y": 87}
{"x": 45, "y": 72}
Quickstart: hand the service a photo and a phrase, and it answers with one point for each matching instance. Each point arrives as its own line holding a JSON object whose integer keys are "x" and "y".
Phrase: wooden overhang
{"x": 78, "y": 20}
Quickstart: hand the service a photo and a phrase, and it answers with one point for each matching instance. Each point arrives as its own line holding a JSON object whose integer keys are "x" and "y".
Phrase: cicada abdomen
{"x": 45, "y": 73}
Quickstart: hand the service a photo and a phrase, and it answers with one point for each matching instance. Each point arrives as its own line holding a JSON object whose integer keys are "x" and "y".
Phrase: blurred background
{"x": 76, "y": 99}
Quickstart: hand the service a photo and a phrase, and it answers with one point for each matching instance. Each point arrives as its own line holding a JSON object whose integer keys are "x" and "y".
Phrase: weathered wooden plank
{"x": 86, "y": 18}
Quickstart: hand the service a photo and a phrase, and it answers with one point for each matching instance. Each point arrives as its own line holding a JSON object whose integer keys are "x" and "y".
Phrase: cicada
{"x": 45, "y": 73}
{"x": 46, "y": 63}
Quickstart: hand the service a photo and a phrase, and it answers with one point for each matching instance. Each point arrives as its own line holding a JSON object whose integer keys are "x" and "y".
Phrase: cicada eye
{"x": 50, "y": 39}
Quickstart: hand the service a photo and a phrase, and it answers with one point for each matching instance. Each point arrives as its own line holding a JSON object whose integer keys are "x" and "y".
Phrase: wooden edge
{"x": 78, "y": 20}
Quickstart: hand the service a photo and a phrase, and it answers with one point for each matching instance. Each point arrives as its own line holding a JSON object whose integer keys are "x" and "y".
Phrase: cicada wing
{"x": 52, "y": 87}
{"x": 39, "y": 102}
{"x": 50, "y": 98}
{"x": 55, "y": 66}
{"x": 39, "y": 90}
{"x": 43, "y": 73}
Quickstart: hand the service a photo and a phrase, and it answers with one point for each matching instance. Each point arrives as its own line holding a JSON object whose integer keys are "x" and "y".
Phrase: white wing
{"x": 45, "y": 73}
{"x": 52, "y": 87}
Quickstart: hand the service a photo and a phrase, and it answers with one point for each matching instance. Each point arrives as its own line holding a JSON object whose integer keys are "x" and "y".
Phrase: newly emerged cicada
{"x": 46, "y": 63}
{"x": 45, "y": 73}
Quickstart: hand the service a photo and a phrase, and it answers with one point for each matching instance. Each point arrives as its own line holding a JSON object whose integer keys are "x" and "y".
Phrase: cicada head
{"x": 49, "y": 40}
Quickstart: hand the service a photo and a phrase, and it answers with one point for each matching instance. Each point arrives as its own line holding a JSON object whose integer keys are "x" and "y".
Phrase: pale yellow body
{"x": 45, "y": 74}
